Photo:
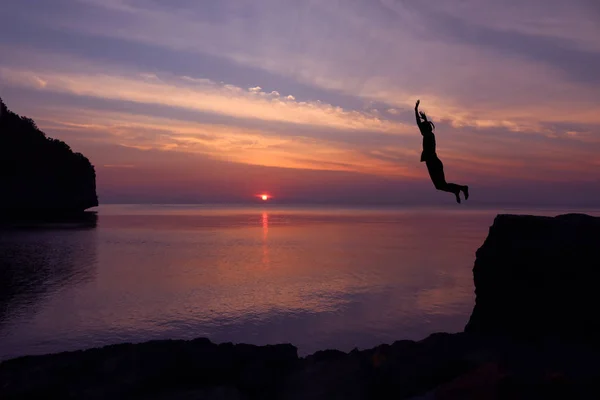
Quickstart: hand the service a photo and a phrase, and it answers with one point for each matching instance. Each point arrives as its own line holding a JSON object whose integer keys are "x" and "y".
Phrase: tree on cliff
{"x": 38, "y": 173}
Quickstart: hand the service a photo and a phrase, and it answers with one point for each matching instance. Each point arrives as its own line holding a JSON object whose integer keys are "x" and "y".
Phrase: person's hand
{"x": 418, "y": 102}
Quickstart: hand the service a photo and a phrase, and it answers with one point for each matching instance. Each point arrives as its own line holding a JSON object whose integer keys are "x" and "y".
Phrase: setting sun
{"x": 264, "y": 197}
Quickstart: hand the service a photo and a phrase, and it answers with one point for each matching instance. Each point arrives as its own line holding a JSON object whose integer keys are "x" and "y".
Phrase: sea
{"x": 319, "y": 277}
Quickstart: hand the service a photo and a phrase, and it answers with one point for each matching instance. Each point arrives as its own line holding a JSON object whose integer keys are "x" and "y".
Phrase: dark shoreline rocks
{"x": 520, "y": 343}
{"x": 40, "y": 176}
{"x": 458, "y": 363}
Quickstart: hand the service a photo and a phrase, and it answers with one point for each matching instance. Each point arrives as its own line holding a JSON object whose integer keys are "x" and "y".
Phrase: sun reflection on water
{"x": 265, "y": 227}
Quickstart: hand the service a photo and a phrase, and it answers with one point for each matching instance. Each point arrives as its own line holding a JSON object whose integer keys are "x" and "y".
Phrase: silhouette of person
{"x": 434, "y": 164}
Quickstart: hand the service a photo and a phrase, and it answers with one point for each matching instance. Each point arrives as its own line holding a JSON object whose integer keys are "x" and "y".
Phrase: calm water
{"x": 318, "y": 278}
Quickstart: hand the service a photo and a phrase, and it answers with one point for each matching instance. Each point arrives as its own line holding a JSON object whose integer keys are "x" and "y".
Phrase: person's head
{"x": 428, "y": 125}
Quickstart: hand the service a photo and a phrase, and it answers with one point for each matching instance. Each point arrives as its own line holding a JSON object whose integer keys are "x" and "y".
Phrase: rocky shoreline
{"x": 531, "y": 336}
{"x": 442, "y": 366}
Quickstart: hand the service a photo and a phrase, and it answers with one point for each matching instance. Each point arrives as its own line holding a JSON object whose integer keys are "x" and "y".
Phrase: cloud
{"x": 512, "y": 86}
{"x": 200, "y": 81}
{"x": 202, "y": 95}
{"x": 118, "y": 166}
{"x": 219, "y": 142}
{"x": 40, "y": 82}
{"x": 449, "y": 61}
{"x": 573, "y": 23}
{"x": 153, "y": 76}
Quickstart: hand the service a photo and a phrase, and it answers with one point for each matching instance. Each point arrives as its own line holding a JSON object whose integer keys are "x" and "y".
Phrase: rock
{"x": 39, "y": 175}
{"x": 537, "y": 277}
{"x": 442, "y": 366}
{"x": 329, "y": 377}
{"x": 154, "y": 369}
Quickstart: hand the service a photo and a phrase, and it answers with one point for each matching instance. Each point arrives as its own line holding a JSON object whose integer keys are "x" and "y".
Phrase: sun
{"x": 264, "y": 196}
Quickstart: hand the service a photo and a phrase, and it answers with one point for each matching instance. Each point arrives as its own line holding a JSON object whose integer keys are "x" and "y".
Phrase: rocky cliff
{"x": 38, "y": 174}
{"x": 538, "y": 277}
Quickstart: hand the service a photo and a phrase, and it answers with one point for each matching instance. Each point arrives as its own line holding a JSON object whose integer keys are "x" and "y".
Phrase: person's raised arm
{"x": 417, "y": 113}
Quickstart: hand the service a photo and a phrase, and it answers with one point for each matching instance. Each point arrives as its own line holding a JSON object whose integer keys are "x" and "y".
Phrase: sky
{"x": 186, "y": 101}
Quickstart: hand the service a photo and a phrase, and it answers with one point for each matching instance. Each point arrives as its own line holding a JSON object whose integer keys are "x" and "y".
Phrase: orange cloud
{"x": 206, "y": 96}
{"x": 222, "y": 142}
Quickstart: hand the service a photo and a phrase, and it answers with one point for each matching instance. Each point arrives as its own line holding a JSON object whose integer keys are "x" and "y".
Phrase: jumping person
{"x": 434, "y": 164}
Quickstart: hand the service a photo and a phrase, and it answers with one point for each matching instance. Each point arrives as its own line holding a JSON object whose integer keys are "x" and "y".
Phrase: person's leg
{"x": 456, "y": 189}
{"x": 452, "y": 188}
{"x": 436, "y": 172}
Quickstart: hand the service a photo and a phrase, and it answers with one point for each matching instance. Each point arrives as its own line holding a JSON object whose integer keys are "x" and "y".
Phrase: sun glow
{"x": 265, "y": 197}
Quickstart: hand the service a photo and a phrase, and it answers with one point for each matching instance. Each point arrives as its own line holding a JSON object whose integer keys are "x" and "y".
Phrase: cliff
{"x": 40, "y": 175}
{"x": 534, "y": 279}
{"x": 537, "y": 277}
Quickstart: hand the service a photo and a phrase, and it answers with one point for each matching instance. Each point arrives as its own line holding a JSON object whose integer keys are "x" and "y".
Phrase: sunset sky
{"x": 219, "y": 100}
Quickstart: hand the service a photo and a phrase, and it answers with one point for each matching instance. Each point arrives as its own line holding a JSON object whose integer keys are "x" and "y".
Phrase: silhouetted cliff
{"x": 40, "y": 175}
{"x": 538, "y": 276}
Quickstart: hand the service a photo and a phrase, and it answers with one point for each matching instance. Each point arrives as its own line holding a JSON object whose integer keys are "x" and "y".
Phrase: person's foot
{"x": 458, "y": 197}
{"x": 466, "y": 192}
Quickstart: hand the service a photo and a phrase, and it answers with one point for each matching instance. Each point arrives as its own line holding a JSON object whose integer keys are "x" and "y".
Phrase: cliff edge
{"x": 537, "y": 277}
{"x": 40, "y": 175}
